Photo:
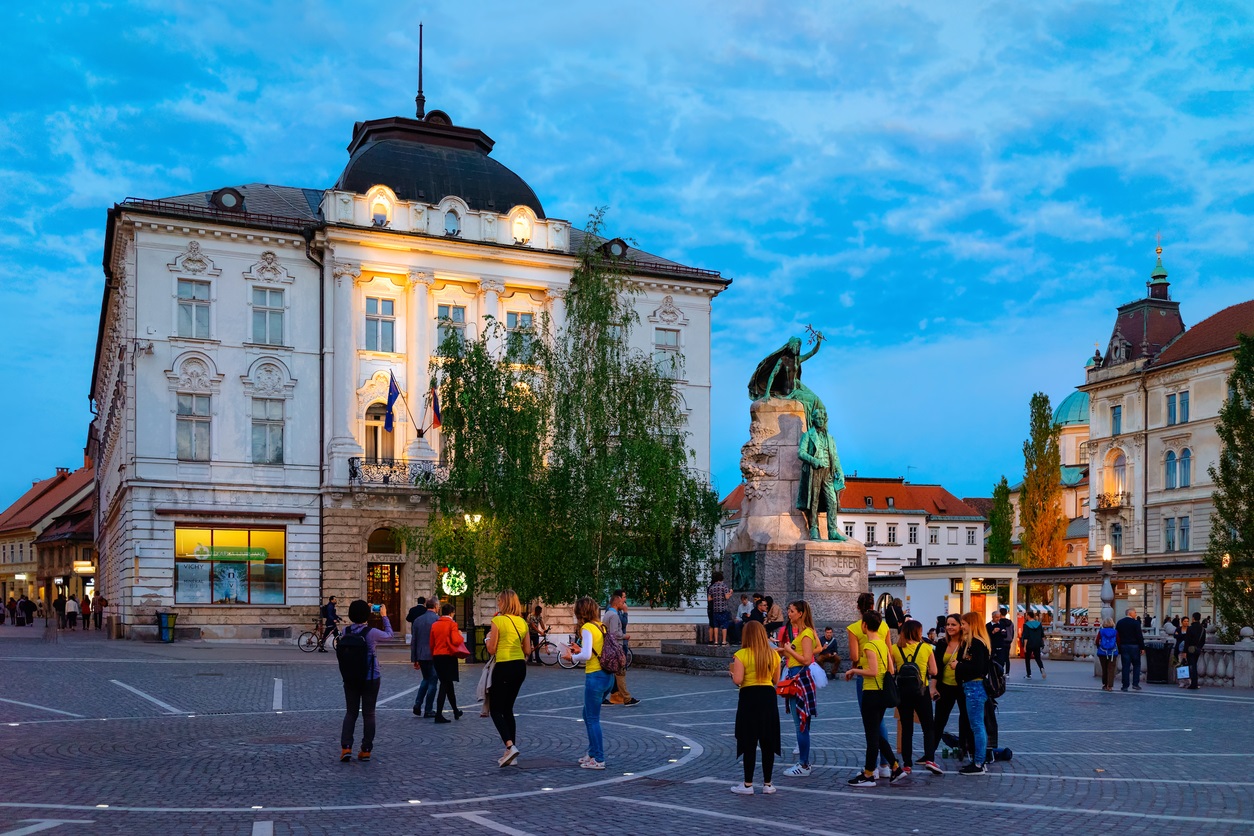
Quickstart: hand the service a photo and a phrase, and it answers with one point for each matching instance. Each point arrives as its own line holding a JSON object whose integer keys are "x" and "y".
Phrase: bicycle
{"x": 545, "y": 650}
{"x": 311, "y": 640}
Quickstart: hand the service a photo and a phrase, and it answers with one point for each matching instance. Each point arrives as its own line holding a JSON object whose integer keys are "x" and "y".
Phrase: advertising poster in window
{"x": 191, "y": 582}
{"x": 230, "y": 583}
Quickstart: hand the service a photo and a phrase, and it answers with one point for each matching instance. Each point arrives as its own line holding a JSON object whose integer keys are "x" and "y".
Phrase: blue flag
{"x": 394, "y": 392}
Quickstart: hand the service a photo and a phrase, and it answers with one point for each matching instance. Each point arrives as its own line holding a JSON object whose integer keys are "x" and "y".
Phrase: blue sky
{"x": 958, "y": 197}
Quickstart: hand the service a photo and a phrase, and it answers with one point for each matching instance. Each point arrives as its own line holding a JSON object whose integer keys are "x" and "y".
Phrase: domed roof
{"x": 1073, "y": 410}
{"x": 431, "y": 159}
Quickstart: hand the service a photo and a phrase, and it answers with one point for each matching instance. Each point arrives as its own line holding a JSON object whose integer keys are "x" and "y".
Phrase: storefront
{"x": 929, "y": 593}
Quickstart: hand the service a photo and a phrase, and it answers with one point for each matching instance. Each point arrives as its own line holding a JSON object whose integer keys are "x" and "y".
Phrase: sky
{"x": 958, "y": 195}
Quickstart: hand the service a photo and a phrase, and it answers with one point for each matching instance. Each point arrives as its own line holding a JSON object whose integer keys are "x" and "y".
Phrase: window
{"x": 913, "y": 534}
{"x": 1171, "y": 410}
{"x": 952, "y": 532}
{"x": 1183, "y": 541}
{"x": 870, "y": 502}
{"x": 229, "y": 566}
{"x": 849, "y": 530}
{"x": 1119, "y": 473}
{"x": 452, "y": 223}
{"x": 192, "y": 430}
{"x": 1169, "y": 534}
{"x": 521, "y": 328}
{"x": 379, "y": 213}
{"x": 892, "y": 535}
{"x": 666, "y": 350}
{"x": 267, "y": 316}
{"x": 1170, "y": 471}
{"x": 193, "y": 309}
{"x": 933, "y": 535}
{"x": 1184, "y": 407}
{"x": 1116, "y": 538}
{"x": 970, "y": 536}
{"x": 890, "y": 501}
{"x": 1185, "y": 468}
{"x": 378, "y": 440}
{"x": 870, "y": 534}
{"x": 267, "y": 431}
{"x": 380, "y": 324}
{"x": 1116, "y": 420}
{"x": 452, "y": 322}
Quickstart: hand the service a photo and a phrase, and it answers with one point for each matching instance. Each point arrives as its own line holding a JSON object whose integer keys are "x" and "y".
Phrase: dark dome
{"x": 428, "y": 161}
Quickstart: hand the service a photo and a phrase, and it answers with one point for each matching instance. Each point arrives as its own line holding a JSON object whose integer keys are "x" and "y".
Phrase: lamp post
{"x": 1108, "y": 589}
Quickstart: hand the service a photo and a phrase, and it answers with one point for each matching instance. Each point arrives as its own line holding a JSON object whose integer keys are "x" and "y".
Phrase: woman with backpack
{"x": 755, "y": 671}
{"x": 857, "y": 636}
{"x": 797, "y": 643}
{"x": 509, "y": 642}
{"x": 916, "y": 683}
{"x": 359, "y": 667}
{"x": 596, "y": 682}
{"x": 873, "y": 664}
{"x": 970, "y": 667}
{"x": 1107, "y": 650}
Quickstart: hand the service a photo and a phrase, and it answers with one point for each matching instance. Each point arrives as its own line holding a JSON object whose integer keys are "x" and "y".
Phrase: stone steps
{"x": 679, "y": 663}
{"x": 687, "y": 648}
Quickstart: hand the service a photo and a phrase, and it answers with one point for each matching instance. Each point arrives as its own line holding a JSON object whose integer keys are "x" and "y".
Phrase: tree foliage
{"x": 1040, "y": 499}
{"x": 1000, "y": 525}
{"x": 1230, "y": 552}
{"x": 568, "y": 465}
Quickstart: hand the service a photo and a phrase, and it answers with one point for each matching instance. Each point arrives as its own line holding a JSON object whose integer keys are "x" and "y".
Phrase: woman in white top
{"x": 597, "y": 683}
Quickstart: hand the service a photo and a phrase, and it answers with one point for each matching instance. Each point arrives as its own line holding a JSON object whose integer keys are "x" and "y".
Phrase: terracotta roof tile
{"x": 733, "y": 501}
{"x": 1215, "y": 333}
{"x": 928, "y": 499}
{"x": 51, "y": 493}
{"x": 983, "y": 504}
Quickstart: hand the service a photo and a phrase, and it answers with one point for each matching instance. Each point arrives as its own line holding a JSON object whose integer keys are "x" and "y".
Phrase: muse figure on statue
{"x": 821, "y": 477}
{"x": 779, "y": 376}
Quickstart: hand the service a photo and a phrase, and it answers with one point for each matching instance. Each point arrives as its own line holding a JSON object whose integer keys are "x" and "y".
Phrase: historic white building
{"x": 247, "y": 338}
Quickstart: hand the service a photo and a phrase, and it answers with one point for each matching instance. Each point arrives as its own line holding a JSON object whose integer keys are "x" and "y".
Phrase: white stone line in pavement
{"x": 164, "y": 706}
{"x": 260, "y": 828}
{"x": 1215, "y": 694}
{"x": 398, "y": 696}
{"x": 772, "y": 824}
{"x": 40, "y": 825}
{"x": 1202, "y": 755}
{"x": 884, "y": 797}
{"x": 1004, "y": 730}
{"x": 480, "y": 817}
{"x": 278, "y": 694}
{"x": 1102, "y": 779}
{"x": 41, "y": 708}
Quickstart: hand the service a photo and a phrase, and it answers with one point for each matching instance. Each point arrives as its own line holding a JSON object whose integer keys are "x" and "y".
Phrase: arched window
{"x": 1186, "y": 468}
{"x": 382, "y": 541}
{"x": 378, "y": 440}
{"x": 1170, "y": 470}
{"x": 379, "y": 213}
{"x": 1119, "y": 474}
{"x": 452, "y": 223}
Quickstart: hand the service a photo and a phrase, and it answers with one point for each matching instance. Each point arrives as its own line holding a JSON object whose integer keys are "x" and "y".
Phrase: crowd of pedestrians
{"x": 70, "y": 611}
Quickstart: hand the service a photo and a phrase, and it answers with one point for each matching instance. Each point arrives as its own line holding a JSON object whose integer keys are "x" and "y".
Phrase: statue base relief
{"x": 771, "y": 550}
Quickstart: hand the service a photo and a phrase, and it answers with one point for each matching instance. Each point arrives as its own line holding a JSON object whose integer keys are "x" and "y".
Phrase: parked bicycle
{"x": 571, "y": 663}
{"x": 312, "y": 640}
{"x": 546, "y": 650}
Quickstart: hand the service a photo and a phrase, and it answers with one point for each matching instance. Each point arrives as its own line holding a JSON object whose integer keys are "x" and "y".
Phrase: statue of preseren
{"x": 821, "y": 477}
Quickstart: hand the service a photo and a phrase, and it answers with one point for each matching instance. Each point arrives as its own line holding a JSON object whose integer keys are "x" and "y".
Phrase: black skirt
{"x": 757, "y": 719}
{"x": 446, "y": 667}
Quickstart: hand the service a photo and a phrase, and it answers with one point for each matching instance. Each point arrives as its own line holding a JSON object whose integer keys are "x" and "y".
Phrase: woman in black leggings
{"x": 948, "y": 693}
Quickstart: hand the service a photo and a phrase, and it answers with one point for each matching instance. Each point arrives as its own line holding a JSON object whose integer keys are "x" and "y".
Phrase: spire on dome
{"x": 420, "y": 100}
{"x": 1158, "y": 283}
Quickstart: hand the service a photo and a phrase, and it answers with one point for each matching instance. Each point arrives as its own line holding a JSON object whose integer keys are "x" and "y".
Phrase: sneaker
{"x": 897, "y": 775}
{"x": 798, "y": 770}
{"x": 1136, "y": 687}
{"x": 741, "y": 789}
{"x": 346, "y": 755}
{"x": 606, "y": 702}
{"x": 1043, "y": 673}
{"x": 768, "y": 789}
{"x": 440, "y": 718}
{"x": 457, "y": 713}
{"x": 931, "y": 767}
{"x": 862, "y": 780}
{"x": 972, "y": 769}
{"x": 584, "y": 759}
{"x": 417, "y": 711}
{"x": 632, "y": 701}
{"x": 593, "y": 764}
{"x": 796, "y": 750}
{"x": 884, "y": 772}
{"x": 363, "y": 755}
{"x": 1123, "y": 690}
{"x": 511, "y": 755}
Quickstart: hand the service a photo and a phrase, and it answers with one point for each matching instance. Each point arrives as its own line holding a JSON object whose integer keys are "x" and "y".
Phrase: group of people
{"x": 23, "y": 612}
{"x": 727, "y": 624}
{"x": 1125, "y": 641}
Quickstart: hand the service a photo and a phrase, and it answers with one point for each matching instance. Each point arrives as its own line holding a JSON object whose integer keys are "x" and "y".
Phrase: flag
{"x": 394, "y": 392}
{"x": 435, "y": 408}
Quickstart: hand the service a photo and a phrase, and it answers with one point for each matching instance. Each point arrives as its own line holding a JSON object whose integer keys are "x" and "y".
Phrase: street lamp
{"x": 1108, "y": 589}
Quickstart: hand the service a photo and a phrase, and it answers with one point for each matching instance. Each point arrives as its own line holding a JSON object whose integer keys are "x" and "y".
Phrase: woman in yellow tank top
{"x": 797, "y": 643}
{"x": 916, "y": 702}
{"x": 874, "y": 665}
{"x": 755, "y": 670}
{"x": 948, "y": 694}
{"x": 596, "y": 682}
{"x": 510, "y": 643}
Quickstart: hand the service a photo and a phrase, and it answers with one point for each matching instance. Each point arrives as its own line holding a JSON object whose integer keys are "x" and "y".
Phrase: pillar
{"x": 1158, "y": 604}
{"x": 344, "y": 359}
{"x": 1053, "y": 601}
{"x": 557, "y": 308}
{"x": 417, "y": 343}
{"x": 492, "y": 290}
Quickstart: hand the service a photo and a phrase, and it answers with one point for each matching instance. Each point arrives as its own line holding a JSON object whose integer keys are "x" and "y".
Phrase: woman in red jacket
{"x": 445, "y": 638}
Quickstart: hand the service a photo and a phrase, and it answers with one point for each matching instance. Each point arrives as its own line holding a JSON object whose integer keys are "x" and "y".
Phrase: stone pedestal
{"x": 773, "y": 537}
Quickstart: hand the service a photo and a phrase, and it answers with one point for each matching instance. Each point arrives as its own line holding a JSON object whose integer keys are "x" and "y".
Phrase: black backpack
{"x": 909, "y": 677}
{"x": 995, "y": 680}
{"x": 322, "y": 612}
{"x": 353, "y": 653}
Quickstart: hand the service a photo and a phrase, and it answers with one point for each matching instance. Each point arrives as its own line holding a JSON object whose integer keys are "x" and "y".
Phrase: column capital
{"x": 419, "y": 277}
{"x": 555, "y": 294}
{"x": 346, "y": 269}
{"x": 492, "y": 286}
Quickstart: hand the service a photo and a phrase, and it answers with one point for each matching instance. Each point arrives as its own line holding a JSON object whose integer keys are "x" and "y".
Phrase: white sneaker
{"x": 741, "y": 789}
{"x": 591, "y": 764}
{"x": 797, "y": 771}
{"x": 796, "y": 750}
{"x": 584, "y": 759}
{"x": 884, "y": 772}
{"x": 768, "y": 789}
{"x": 510, "y": 756}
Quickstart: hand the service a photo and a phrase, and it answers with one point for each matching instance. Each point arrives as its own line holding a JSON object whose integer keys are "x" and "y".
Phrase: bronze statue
{"x": 779, "y": 376}
{"x": 821, "y": 476}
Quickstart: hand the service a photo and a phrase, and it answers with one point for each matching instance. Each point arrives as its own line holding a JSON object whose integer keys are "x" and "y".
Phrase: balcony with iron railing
{"x": 396, "y": 472}
{"x": 1116, "y": 501}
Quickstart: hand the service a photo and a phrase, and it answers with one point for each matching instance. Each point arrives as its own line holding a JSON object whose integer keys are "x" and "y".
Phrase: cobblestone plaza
{"x": 120, "y": 737}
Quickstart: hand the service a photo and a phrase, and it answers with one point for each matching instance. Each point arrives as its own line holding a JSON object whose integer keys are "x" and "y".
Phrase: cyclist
{"x": 328, "y": 613}
{"x": 537, "y": 628}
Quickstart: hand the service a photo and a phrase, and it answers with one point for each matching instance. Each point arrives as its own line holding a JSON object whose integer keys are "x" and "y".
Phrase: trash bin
{"x": 1157, "y": 661}
{"x": 165, "y": 621}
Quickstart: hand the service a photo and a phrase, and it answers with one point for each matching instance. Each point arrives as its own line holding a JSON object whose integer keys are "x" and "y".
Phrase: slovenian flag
{"x": 435, "y": 407}
{"x": 394, "y": 392}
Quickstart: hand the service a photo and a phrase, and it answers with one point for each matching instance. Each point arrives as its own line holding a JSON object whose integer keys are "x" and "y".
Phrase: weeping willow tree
{"x": 568, "y": 466}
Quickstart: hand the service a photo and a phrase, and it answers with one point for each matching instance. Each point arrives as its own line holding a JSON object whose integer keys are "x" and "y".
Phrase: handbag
{"x": 460, "y": 650}
{"x": 892, "y": 696}
{"x": 1183, "y": 672}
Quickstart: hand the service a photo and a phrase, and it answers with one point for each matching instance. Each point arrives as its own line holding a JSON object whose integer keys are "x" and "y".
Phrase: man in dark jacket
{"x": 1131, "y": 645}
{"x": 420, "y": 655}
{"x": 1001, "y": 632}
{"x": 1194, "y": 641}
{"x": 328, "y": 616}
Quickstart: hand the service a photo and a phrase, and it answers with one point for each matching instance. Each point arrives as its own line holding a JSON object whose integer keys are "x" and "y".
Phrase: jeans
{"x": 975, "y": 697}
{"x": 363, "y": 694}
{"x": 1130, "y": 654}
{"x": 595, "y": 686}
{"x": 425, "y": 699}
{"x": 858, "y": 692}
{"x": 507, "y": 680}
{"x": 872, "y": 707}
{"x": 1192, "y": 659}
{"x": 803, "y": 737}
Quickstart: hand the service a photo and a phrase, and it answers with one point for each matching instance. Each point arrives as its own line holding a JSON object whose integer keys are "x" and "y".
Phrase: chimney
{"x": 63, "y": 471}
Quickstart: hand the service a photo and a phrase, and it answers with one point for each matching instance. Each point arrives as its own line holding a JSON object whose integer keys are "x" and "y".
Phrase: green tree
{"x": 568, "y": 465}
{"x": 1000, "y": 525}
{"x": 1040, "y": 498}
{"x": 1230, "y": 552}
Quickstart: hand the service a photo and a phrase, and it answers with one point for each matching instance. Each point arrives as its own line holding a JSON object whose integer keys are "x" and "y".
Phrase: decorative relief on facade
{"x": 193, "y": 262}
{"x": 492, "y": 286}
{"x": 668, "y": 314}
{"x": 375, "y": 390}
{"x": 419, "y": 277}
{"x": 489, "y": 227}
{"x": 268, "y": 378}
{"x": 194, "y": 372}
{"x": 759, "y": 466}
{"x": 346, "y": 270}
{"x": 345, "y": 210}
{"x": 268, "y": 269}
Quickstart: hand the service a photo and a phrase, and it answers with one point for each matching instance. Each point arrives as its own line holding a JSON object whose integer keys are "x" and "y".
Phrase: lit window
{"x": 849, "y": 530}
{"x": 193, "y": 309}
{"x": 229, "y": 566}
{"x": 1116, "y": 420}
{"x": 1170, "y": 470}
{"x": 379, "y": 213}
{"x": 192, "y": 430}
{"x": 1185, "y": 468}
{"x": 870, "y": 534}
{"x": 952, "y": 532}
{"x": 913, "y": 535}
{"x": 1119, "y": 475}
{"x": 933, "y": 536}
{"x": 452, "y": 322}
{"x": 970, "y": 536}
{"x": 452, "y": 223}
{"x": 267, "y": 316}
{"x": 521, "y": 328}
{"x": 1171, "y": 410}
{"x": 1184, "y": 407}
{"x": 378, "y": 440}
{"x": 892, "y": 535}
{"x": 267, "y": 431}
{"x": 666, "y": 351}
{"x": 1169, "y": 534}
{"x": 1183, "y": 542}
{"x": 380, "y": 324}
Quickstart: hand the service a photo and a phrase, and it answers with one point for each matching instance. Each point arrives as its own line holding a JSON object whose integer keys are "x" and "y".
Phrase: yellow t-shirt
{"x": 925, "y": 653}
{"x": 597, "y": 629}
{"x": 876, "y": 646}
{"x": 509, "y": 632}
{"x": 858, "y": 630}
{"x": 948, "y": 675}
{"x": 752, "y": 676}
{"x": 795, "y": 644}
